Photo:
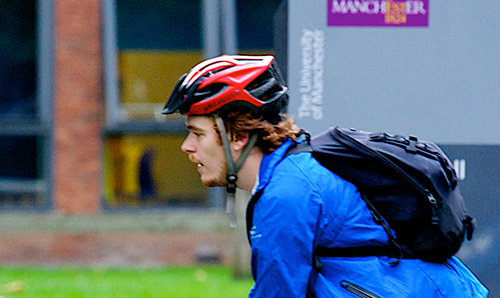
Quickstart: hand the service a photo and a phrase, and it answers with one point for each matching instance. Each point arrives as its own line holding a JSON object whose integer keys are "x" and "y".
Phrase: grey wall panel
{"x": 440, "y": 82}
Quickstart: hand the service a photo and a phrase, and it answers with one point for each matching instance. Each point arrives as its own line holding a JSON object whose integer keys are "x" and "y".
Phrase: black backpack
{"x": 409, "y": 185}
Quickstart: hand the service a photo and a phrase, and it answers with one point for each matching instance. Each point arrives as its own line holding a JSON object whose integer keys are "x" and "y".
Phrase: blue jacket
{"x": 299, "y": 205}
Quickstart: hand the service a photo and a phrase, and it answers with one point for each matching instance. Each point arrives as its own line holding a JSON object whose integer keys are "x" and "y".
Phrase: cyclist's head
{"x": 247, "y": 84}
{"x": 245, "y": 96}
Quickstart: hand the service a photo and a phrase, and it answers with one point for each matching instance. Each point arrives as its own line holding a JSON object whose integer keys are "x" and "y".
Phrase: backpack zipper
{"x": 357, "y": 290}
{"x": 412, "y": 145}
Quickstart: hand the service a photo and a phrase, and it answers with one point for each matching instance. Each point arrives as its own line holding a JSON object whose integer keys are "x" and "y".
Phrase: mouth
{"x": 194, "y": 160}
{"x": 199, "y": 165}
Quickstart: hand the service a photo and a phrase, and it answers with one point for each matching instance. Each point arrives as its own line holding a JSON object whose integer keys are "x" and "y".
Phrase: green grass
{"x": 189, "y": 282}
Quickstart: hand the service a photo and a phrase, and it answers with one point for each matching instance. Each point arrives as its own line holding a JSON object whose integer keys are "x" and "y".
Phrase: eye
{"x": 196, "y": 133}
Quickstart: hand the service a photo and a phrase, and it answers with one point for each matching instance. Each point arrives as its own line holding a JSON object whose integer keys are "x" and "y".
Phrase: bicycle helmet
{"x": 213, "y": 86}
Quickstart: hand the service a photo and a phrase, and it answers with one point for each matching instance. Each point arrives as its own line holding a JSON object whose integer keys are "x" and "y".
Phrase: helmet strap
{"x": 232, "y": 168}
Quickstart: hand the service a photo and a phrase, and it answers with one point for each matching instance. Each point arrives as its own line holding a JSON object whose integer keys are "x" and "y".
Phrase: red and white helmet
{"x": 231, "y": 81}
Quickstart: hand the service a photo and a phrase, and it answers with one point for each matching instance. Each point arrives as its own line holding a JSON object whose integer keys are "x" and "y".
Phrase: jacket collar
{"x": 270, "y": 161}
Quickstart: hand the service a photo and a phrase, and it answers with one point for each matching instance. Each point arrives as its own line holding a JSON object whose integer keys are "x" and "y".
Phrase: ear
{"x": 239, "y": 144}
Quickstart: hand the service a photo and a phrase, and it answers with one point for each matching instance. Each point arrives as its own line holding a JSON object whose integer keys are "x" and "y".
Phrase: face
{"x": 205, "y": 150}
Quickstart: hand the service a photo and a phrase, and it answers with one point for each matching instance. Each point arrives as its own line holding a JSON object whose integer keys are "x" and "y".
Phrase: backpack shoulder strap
{"x": 300, "y": 147}
{"x": 303, "y": 146}
{"x": 249, "y": 213}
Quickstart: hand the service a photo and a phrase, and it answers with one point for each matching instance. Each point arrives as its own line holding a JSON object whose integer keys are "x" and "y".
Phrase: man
{"x": 238, "y": 137}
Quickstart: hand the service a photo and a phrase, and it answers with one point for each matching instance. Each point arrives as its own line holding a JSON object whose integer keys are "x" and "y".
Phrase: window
{"x": 255, "y": 21}
{"x": 21, "y": 156}
{"x": 24, "y": 103}
{"x": 18, "y": 59}
{"x": 150, "y": 44}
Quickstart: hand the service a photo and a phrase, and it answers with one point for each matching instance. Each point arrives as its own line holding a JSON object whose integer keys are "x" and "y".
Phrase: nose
{"x": 187, "y": 146}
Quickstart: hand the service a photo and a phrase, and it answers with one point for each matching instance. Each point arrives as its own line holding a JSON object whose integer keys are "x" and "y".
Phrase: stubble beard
{"x": 218, "y": 179}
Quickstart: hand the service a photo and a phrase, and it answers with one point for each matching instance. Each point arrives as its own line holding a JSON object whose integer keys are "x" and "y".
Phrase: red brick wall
{"x": 78, "y": 106}
{"x": 146, "y": 249}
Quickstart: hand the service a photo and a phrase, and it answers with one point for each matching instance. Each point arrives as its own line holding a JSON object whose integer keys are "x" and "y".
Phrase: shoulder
{"x": 304, "y": 168}
{"x": 301, "y": 179}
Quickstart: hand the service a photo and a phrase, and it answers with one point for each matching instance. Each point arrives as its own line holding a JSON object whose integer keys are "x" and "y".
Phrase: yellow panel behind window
{"x": 150, "y": 171}
{"x": 147, "y": 77}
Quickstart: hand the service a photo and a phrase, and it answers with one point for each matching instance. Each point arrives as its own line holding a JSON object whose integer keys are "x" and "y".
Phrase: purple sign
{"x": 378, "y": 13}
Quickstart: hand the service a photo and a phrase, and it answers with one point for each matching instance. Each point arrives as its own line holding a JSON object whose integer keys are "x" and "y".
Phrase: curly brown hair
{"x": 270, "y": 136}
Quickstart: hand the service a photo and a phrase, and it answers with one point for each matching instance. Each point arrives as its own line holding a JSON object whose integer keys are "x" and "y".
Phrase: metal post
{"x": 110, "y": 48}
{"x": 45, "y": 61}
{"x": 230, "y": 45}
{"x": 45, "y": 92}
{"x": 241, "y": 250}
{"x": 241, "y": 262}
{"x": 211, "y": 28}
